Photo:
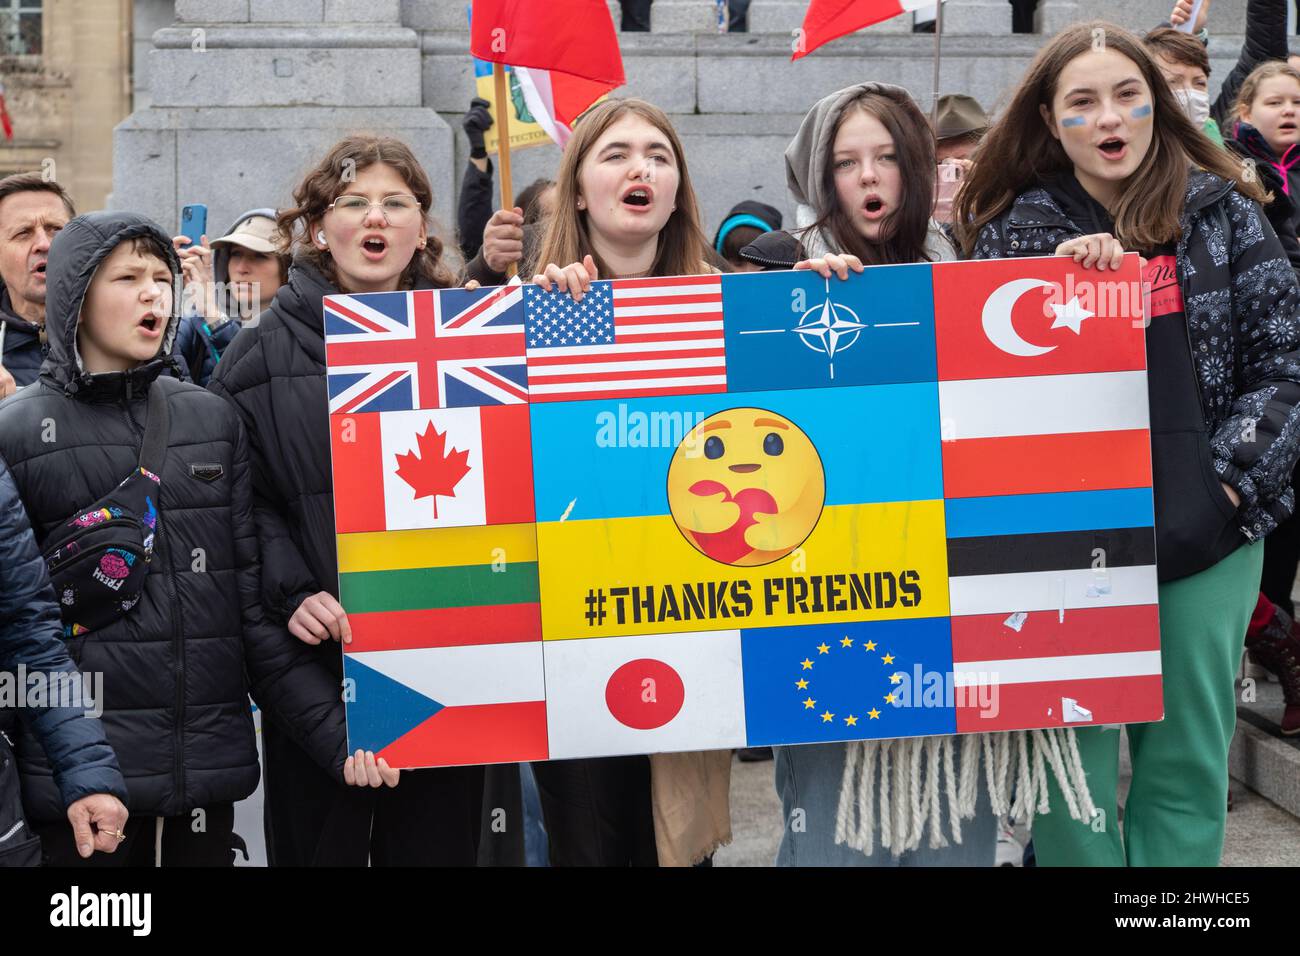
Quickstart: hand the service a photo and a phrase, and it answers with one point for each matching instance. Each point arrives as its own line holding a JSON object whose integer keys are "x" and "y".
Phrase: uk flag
{"x": 447, "y": 348}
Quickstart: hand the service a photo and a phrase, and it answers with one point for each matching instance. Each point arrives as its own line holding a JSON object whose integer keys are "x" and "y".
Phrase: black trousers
{"x": 598, "y": 811}
{"x": 1281, "y": 555}
{"x": 431, "y": 818}
{"x": 193, "y": 839}
{"x": 636, "y": 16}
{"x": 1022, "y": 15}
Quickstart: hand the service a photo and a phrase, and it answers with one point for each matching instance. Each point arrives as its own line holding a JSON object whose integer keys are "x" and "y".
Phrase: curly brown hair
{"x": 320, "y": 187}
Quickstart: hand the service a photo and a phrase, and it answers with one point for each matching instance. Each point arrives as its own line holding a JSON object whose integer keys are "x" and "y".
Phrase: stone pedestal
{"x": 245, "y": 95}
{"x": 1052, "y": 16}
{"x": 977, "y": 18}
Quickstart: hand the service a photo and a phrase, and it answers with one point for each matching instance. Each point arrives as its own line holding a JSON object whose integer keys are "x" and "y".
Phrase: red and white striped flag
{"x": 627, "y": 338}
{"x": 828, "y": 20}
{"x": 564, "y": 52}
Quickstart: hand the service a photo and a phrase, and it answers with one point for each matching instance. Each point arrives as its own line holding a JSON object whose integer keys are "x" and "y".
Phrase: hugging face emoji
{"x": 746, "y": 486}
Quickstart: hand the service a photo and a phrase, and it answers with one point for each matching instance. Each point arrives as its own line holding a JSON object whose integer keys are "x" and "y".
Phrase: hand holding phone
{"x": 194, "y": 221}
{"x": 948, "y": 181}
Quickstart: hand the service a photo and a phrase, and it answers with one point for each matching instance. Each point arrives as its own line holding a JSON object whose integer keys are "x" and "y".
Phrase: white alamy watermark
{"x": 78, "y": 909}
{"x": 66, "y": 689}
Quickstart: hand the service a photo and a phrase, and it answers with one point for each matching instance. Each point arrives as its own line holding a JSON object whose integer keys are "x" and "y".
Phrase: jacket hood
{"x": 75, "y": 254}
{"x": 807, "y": 154}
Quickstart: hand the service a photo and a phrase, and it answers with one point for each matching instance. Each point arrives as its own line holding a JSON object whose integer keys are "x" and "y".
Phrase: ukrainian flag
{"x": 613, "y": 561}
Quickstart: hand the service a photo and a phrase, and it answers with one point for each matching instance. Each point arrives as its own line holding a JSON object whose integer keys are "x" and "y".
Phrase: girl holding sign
{"x": 359, "y": 223}
{"x": 625, "y": 208}
{"x": 1094, "y": 158}
{"x": 862, "y": 171}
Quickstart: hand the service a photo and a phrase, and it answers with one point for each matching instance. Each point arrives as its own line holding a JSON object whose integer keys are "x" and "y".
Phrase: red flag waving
{"x": 827, "y": 20}
{"x": 573, "y": 40}
{"x": 5, "y": 122}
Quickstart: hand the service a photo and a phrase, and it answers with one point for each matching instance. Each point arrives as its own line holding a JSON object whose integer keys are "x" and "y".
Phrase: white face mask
{"x": 1195, "y": 103}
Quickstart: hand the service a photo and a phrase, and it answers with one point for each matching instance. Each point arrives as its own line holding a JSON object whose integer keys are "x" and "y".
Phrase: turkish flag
{"x": 1005, "y": 318}
{"x": 570, "y": 36}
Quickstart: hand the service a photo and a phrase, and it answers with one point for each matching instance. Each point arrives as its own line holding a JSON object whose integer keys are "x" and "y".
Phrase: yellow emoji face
{"x": 746, "y": 486}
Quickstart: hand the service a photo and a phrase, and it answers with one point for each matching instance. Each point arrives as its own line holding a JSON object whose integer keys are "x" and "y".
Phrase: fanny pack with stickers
{"x": 99, "y": 557}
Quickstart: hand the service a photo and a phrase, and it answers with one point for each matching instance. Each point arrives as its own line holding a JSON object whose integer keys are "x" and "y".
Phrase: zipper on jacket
{"x": 178, "y": 638}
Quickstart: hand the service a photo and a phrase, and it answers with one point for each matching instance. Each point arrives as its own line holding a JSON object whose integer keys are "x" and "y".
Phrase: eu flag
{"x": 828, "y": 682}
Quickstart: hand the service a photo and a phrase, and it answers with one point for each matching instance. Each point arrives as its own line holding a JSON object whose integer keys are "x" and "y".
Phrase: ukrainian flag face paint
{"x": 1103, "y": 116}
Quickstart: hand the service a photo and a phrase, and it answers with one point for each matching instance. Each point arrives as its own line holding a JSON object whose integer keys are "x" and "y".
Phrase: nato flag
{"x": 798, "y": 330}
{"x": 828, "y": 682}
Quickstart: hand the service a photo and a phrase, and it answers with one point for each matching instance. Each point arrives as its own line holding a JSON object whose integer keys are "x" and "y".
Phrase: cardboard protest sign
{"x": 706, "y": 512}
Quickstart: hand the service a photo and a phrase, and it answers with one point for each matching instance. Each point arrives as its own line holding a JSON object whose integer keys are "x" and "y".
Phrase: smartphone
{"x": 194, "y": 221}
{"x": 948, "y": 181}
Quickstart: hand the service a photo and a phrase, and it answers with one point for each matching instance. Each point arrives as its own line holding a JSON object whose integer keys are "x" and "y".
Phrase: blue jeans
{"x": 808, "y": 778}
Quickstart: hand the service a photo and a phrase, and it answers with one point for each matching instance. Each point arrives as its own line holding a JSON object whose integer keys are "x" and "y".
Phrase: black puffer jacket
{"x": 31, "y": 636}
{"x": 24, "y": 347}
{"x": 1250, "y": 144}
{"x": 274, "y": 374}
{"x": 1241, "y": 299}
{"x": 179, "y": 666}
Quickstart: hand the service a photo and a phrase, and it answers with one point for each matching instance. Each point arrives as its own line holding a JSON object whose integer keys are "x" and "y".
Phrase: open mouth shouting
{"x": 151, "y": 324}
{"x": 874, "y": 208}
{"x": 374, "y": 247}
{"x": 638, "y": 198}
{"x": 1113, "y": 148}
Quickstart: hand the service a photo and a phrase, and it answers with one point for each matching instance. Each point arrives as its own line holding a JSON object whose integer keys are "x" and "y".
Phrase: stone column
{"x": 245, "y": 95}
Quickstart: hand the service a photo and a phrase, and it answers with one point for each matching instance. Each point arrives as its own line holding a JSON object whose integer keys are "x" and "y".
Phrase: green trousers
{"x": 1177, "y": 805}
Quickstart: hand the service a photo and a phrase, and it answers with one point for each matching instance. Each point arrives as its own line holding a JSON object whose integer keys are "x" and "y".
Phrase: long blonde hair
{"x": 682, "y": 247}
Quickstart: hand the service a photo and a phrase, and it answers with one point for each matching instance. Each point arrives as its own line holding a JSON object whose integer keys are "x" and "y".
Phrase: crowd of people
{"x": 166, "y": 506}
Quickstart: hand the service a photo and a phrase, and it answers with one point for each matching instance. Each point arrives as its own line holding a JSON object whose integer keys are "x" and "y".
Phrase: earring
{"x": 582, "y": 204}
{"x": 320, "y": 237}
{"x": 421, "y": 246}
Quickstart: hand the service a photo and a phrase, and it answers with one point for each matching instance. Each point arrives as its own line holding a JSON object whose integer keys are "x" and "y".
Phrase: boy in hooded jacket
{"x": 182, "y": 654}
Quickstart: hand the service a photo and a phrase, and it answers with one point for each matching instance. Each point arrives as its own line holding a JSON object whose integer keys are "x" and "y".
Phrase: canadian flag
{"x": 432, "y": 468}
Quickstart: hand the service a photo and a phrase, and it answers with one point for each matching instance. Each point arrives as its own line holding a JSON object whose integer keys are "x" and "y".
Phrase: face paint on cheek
{"x": 1073, "y": 121}
{"x": 1141, "y": 112}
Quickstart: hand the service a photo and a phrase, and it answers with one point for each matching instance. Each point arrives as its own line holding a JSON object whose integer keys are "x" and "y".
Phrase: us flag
{"x": 639, "y": 337}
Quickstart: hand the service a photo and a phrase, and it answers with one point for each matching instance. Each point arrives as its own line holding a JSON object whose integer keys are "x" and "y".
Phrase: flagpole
{"x": 938, "y": 34}
{"x": 503, "y": 145}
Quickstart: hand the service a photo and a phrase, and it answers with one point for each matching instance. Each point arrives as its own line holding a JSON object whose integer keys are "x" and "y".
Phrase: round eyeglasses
{"x": 397, "y": 210}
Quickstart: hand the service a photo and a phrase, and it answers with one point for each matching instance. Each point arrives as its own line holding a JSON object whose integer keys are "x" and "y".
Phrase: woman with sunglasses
{"x": 359, "y": 223}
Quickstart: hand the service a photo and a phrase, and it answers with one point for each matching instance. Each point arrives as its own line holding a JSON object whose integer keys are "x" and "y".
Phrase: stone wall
{"x": 279, "y": 80}
{"x": 737, "y": 99}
